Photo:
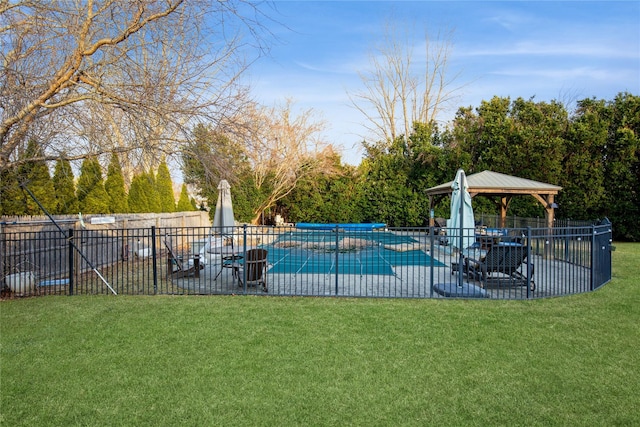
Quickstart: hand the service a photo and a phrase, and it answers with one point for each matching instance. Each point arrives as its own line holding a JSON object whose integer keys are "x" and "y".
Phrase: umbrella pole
{"x": 461, "y": 243}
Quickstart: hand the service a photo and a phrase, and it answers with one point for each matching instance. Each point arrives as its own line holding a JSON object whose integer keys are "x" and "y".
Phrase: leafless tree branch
{"x": 402, "y": 89}
{"x": 141, "y": 71}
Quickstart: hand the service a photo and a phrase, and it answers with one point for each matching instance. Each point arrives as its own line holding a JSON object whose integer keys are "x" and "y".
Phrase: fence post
{"x": 432, "y": 261}
{"x": 245, "y": 270}
{"x": 70, "y": 261}
{"x": 593, "y": 256}
{"x": 3, "y": 249}
{"x": 125, "y": 239}
{"x": 337, "y": 230}
{"x": 155, "y": 259}
{"x": 529, "y": 263}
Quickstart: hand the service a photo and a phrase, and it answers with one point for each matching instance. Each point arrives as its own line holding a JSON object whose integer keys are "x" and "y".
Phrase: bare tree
{"x": 401, "y": 89}
{"x": 283, "y": 147}
{"x": 268, "y": 149}
{"x": 130, "y": 76}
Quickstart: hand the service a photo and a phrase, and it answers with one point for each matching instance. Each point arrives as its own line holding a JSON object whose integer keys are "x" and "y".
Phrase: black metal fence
{"x": 514, "y": 263}
{"x": 492, "y": 220}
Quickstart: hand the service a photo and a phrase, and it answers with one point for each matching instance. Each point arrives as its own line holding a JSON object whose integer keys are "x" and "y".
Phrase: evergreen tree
{"x": 387, "y": 190}
{"x": 517, "y": 137}
{"x": 164, "y": 188}
{"x": 66, "y": 200}
{"x": 114, "y": 186}
{"x": 11, "y": 195}
{"x": 138, "y": 199}
{"x": 622, "y": 166}
{"x": 184, "y": 204}
{"x": 35, "y": 175}
{"x": 92, "y": 196}
{"x": 583, "y": 182}
{"x": 321, "y": 198}
{"x": 149, "y": 186}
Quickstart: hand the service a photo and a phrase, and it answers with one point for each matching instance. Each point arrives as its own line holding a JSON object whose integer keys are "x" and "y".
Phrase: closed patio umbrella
{"x": 461, "y": 223}
{"x": 223, "y": 223}
{"x": 461, "y": 228}
{"x": 223, "y": 220}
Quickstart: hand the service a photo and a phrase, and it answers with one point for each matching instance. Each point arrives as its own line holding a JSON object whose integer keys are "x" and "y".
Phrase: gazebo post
{"x": 549, "y": 207}
{"x": 432, "y": 221}
{"x": 504, "y": 204}
{"x": 549, "y": 213}
{"x": 549, "y": 210}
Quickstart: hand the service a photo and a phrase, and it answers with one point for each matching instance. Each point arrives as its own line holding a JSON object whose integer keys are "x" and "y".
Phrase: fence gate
{"x": 601, "y": 254}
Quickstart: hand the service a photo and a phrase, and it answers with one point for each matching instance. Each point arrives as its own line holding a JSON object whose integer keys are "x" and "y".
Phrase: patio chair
{"x": 175, "y": 266}
{"x": 501, "y": 265}
{"x": 254, "y": 266}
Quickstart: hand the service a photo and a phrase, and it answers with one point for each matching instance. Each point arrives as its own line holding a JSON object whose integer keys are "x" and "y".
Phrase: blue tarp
{"x": 345, "y": 226}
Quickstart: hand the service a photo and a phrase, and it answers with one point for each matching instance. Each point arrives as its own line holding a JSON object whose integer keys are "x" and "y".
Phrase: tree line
{"x": 91, "y": 193}
{"x": 593, "y": 153}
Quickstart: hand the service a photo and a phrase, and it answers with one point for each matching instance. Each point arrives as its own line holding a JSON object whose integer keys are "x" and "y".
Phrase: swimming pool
{"x": 349, "y": 252}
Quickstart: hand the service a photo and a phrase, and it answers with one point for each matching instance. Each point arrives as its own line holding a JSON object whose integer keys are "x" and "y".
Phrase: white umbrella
{"x": 223, "y": 224}
{"x": 223, "y": 220}
{"x": 461, "y": 227}
{"x": 461, "y": 223}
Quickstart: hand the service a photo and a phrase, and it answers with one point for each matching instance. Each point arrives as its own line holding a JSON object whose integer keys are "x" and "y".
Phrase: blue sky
{"x": 546, "y": 50}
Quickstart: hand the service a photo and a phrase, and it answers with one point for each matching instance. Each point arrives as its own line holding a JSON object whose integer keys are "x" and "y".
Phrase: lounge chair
{"x": 501, "y": 266}
{"x": 254, "y": 269}
{"x": 175, "y": 266}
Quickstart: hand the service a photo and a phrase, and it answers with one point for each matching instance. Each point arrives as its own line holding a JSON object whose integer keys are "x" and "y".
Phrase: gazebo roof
{"x": 494, "y": 183}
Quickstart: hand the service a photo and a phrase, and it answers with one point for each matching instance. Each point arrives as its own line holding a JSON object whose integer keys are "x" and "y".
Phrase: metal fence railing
{"x": 514, "y": 263}
{"x": 492, "y": 220}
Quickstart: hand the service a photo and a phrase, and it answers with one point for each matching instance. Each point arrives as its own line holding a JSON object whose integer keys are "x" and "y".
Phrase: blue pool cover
{"x": 287, "y": 255}
{"x": 343, "y": 226}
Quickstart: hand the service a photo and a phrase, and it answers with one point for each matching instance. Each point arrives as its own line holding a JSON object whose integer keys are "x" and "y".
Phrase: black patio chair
{"x": 254, "y": 267}
{"x": 501, "y": 265}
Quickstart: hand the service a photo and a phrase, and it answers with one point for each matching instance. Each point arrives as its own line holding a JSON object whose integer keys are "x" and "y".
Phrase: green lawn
{"x": 233, "y": 360}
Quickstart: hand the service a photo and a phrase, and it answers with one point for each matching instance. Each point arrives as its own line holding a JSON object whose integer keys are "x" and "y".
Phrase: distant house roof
{"x": 498, "y": 184}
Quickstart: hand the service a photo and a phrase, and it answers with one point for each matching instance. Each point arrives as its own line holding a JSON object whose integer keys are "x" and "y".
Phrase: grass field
{"x": 232, "y": 360}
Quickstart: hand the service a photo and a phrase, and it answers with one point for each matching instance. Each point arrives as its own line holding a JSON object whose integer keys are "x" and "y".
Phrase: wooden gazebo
{"x": 494, "y": 184}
